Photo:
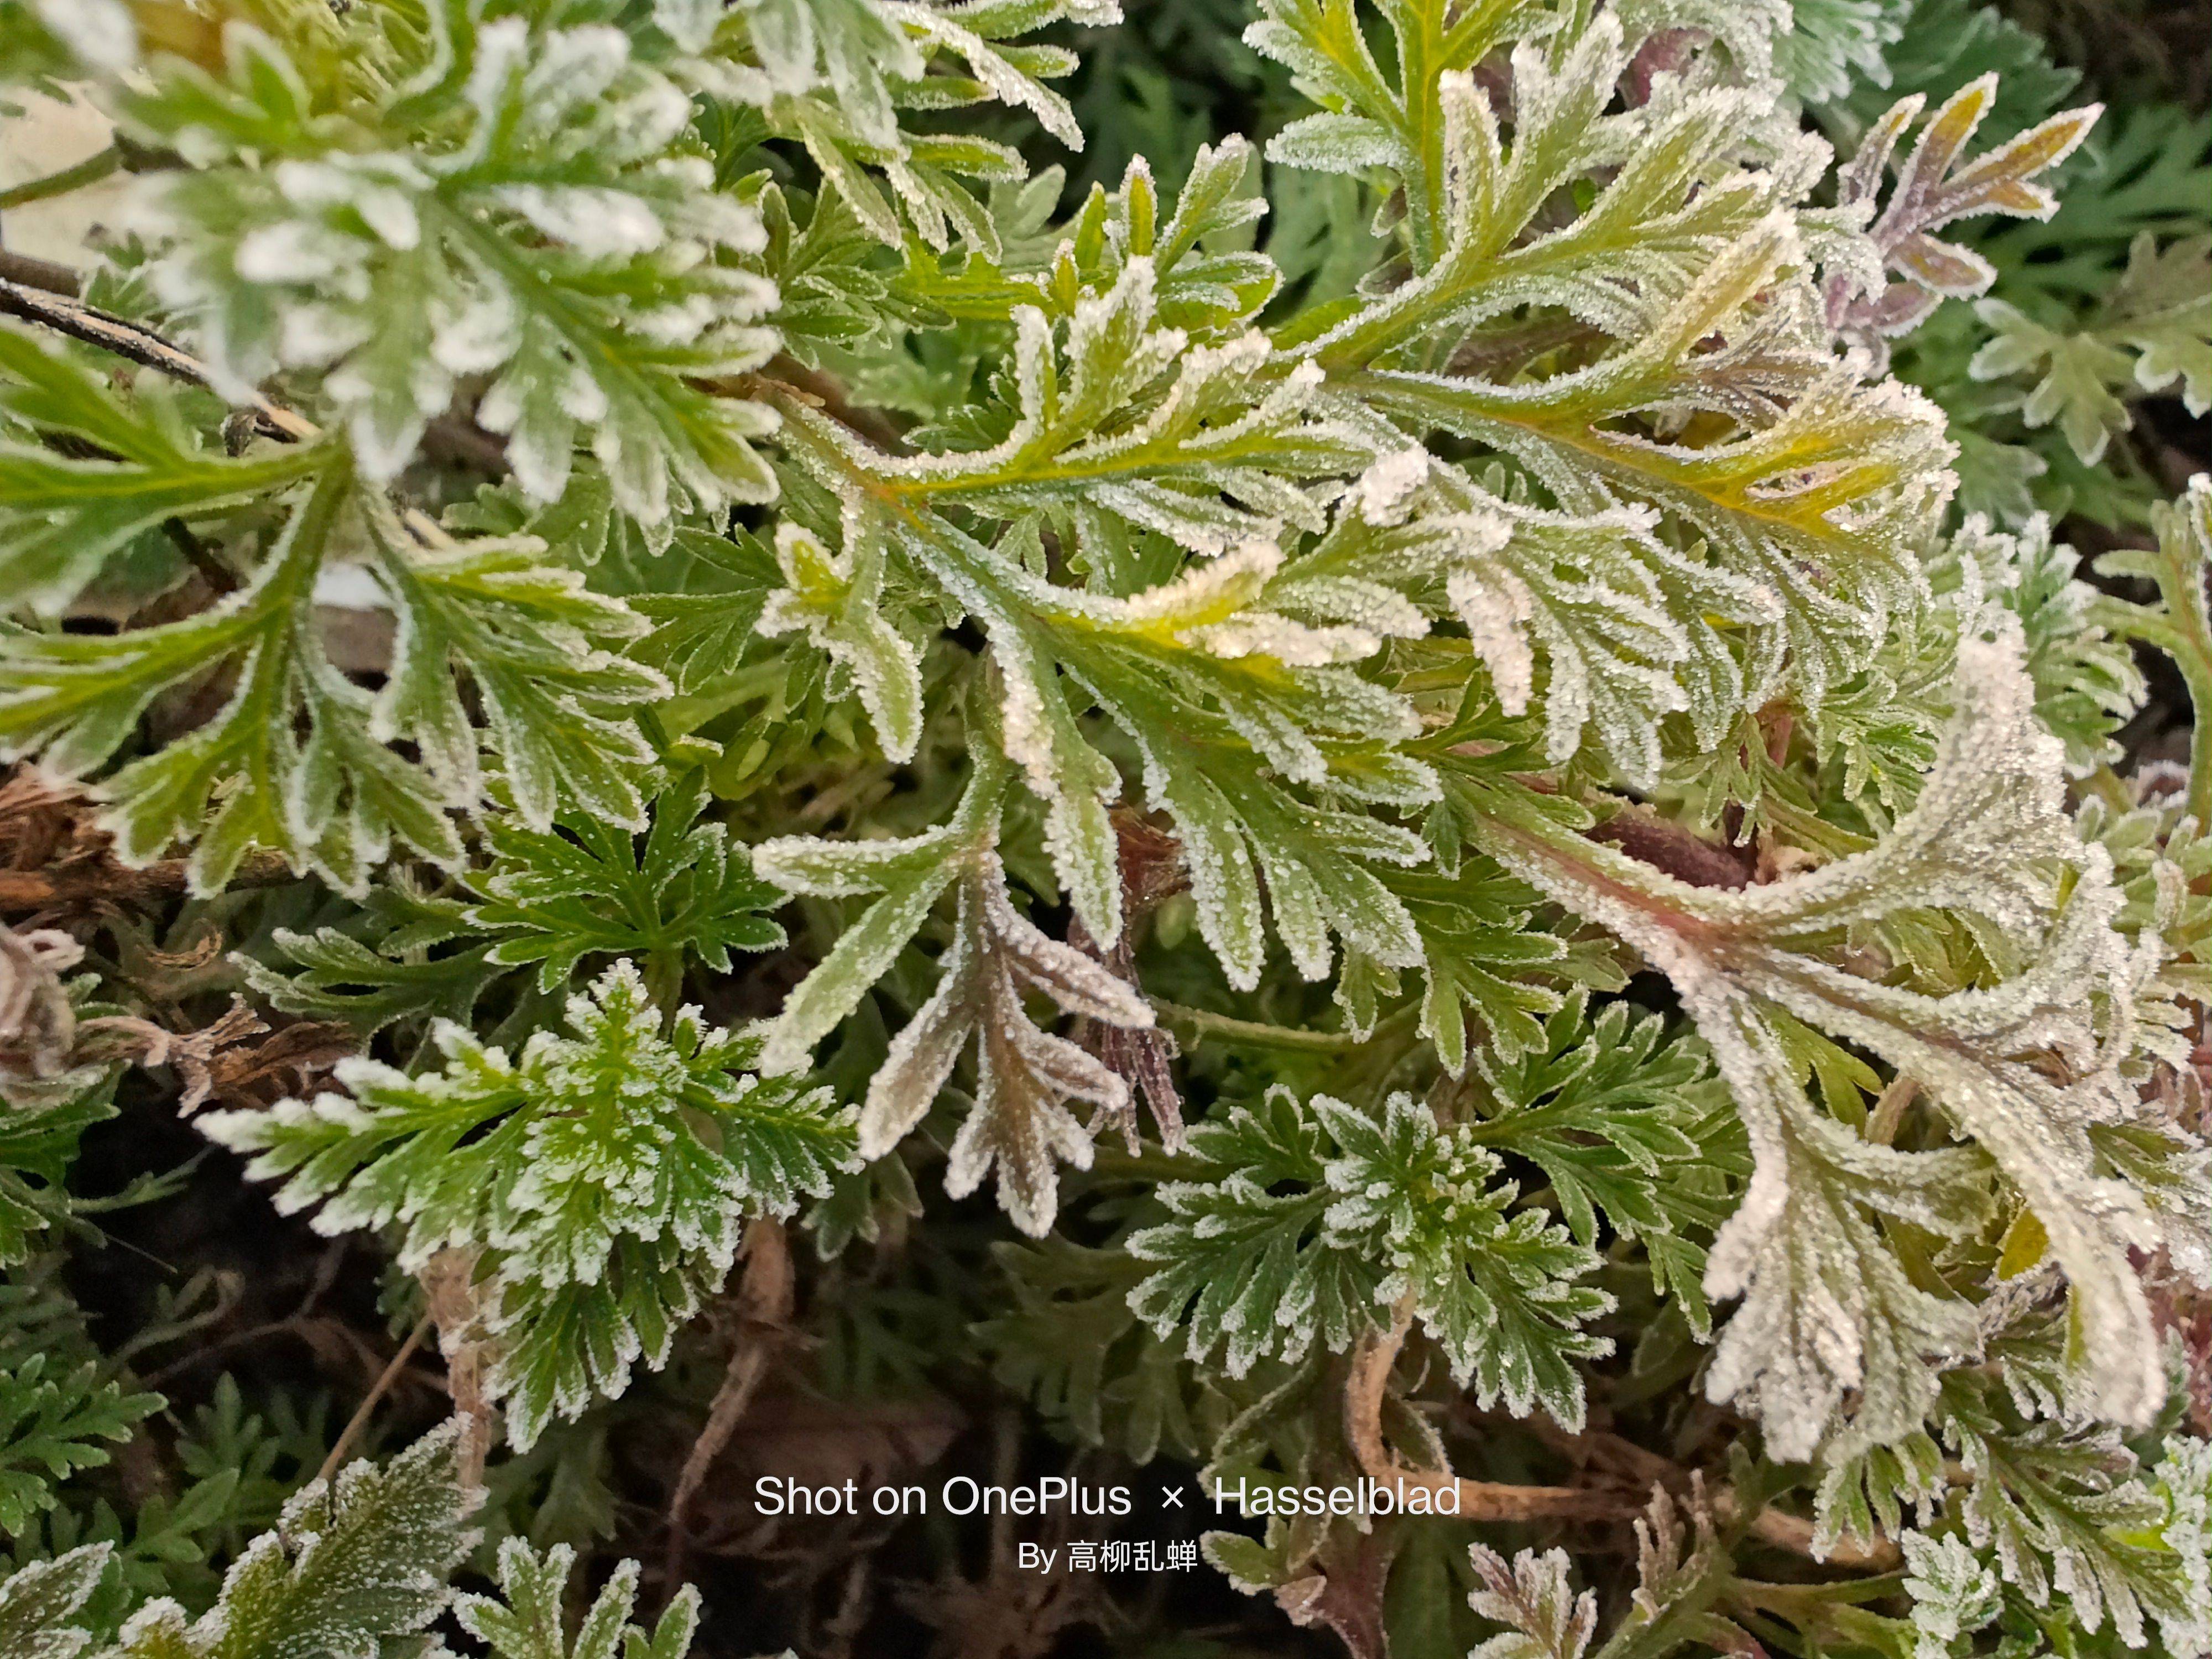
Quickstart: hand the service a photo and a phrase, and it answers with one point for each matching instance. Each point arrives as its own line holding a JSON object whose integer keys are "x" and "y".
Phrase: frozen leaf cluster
{"x": 529, "y": 1618}
{"x": 602, "y": 1174}
{"x": 513, "y": 196}
{"x": 1019, "y": 1123}
{"x": 296, "y": 757}
{"x": 1828, "y": 1308}
{"x": 1325, "y": 1219}
{"x": 353, "y": 1566}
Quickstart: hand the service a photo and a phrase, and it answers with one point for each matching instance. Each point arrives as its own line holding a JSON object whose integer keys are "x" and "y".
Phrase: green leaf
{"x": 62, "y": 517}
{"x": 379, "y": 969}
{"x": 1625, "y": 1122}
{"x": 529, "y": 1618}
{"x": 1319, "y": 1216}
{"x": 354, "y": 1564}
{"x": 587, "y": 888}
{"x": 911, "y": 874}
{"x": 1496, "y": 1287}
{"x": 299, "y": 760}
{"x": 38, "y": 1144}
{"x": 2078, "y": 372}
{"x": 52, "y": 1426}
{"x": 38, "y": 1601}
{"x": 604, "y": 1174}
{"x": 1245, "y": 1260}
{"x": 519, "y": 203}
{"x": 834, "y": 599}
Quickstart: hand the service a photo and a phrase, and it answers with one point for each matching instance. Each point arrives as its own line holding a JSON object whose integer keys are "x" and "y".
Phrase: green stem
{"x": 663, "y": 980}
{"x": 1153, "y": 1164}
{"x": 90, "y": 171}
{"x": 1250, "y": 1034}
{"x": 2182, "y": 632}
{"x": 1800, "y": 1602}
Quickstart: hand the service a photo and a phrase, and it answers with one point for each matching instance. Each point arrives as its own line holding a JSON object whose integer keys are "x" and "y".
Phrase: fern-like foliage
{"x": 352, "y": 1563}
{"x": 1967, "y": 847}
{"x": 1019, "y": 1123}
{"x": 528, "y": 1619}
{"x": 51, "y": 1426}
{"x": 1326, "y": 1219}
{"x": 604, "y": 1173}
{"x": 1625, "y": 1124}
{"x": 1534, "y": 710}
{"x": 586, "y": 888}
{"x": 296, "y": 758}
{"x": 527, "y": 185}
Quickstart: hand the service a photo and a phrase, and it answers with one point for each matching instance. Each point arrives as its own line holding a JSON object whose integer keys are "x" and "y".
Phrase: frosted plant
{"x": 604, "y": 1174}
{"x": 1535, "y": 1599}
{"x": 631, "y": 565}
{"x": 1987, "y": 827}
{"x": 1394, "y": 1214}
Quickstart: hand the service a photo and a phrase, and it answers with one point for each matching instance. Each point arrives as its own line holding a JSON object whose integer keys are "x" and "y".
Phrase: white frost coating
{"x": 597, "y": 223}
{"x": 1009, "y": 85}
{"x": 558, "y": 155}
{"x": 690, "y": 23}
{"x": 835, "y": 607}
{"x": 101, "y": 32}
{"x": 1496, "y": 610}
{"x": 601, "y": 1153}
{"x": 1330, "y": 142}
{"x": 1218, "y": 460}
{"x": 1385, "y": 493}
{"x": 1019, "y": 1123}
{"x": 1827, "y": 1309}
{"x": 1954, "y": 1594}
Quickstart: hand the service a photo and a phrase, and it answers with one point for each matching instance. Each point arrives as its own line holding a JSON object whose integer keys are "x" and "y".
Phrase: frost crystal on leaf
{"x": 1024, "y": 1077}
{"x": 1323, "y": 1219}
{"x": 579, "y": 1164}
{"x": 1828, "y": 1308}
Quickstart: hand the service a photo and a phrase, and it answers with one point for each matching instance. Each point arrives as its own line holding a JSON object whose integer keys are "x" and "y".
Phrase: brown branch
{"x": 1476, "y": 1500}
{"x": 1793, "y": 1533}
{"x": 763, "y": 1305}
{"x": 66, "y": 314}
{"x": 103, "y": 879}
{"x": 1371, "y": 1363}
{"x": 826, "y": 393}
{"x": 377, "y": 1390}
{"x": 448, "y": 1281}
{"x": 44, "y": 275}
{"x": 1652, "y": 840}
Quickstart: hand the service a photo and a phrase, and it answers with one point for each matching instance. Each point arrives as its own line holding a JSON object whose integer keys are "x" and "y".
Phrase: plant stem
{"x": 663, "y": 981}
{"x": 1478, "y": 1500}
{"x": 764, "y": 1308}
{"x": 1889, "y": 1110}
{"x": 80, "y": 321}
{"x": 44, "y": 275}
{"x": 89, "y": 170}
{"x": 1202, "y": 1024}
{"x": 377, "y": 1390}
{"x": 2181, "y": 629}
